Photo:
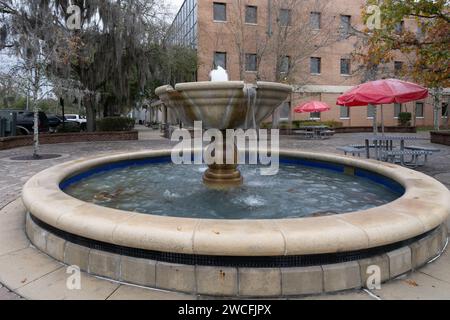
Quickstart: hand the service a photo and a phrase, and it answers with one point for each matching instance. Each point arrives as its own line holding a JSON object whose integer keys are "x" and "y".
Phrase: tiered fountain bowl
{"x": 224, "y": 105}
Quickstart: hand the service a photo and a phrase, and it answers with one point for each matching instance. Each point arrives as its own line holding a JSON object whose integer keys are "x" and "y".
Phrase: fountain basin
{"x": 402, "y": 235}
{"x": 223, "y": 105}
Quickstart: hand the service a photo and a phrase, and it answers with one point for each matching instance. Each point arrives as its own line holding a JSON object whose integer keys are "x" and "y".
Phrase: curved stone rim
{"x": 424, "y": 206}
{"x": 222, "y": 281}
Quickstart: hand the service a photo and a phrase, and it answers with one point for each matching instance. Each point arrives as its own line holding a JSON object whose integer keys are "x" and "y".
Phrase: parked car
{"x": 25, "y": 122}
{"x": 77, "y": 118}
{"x": 53, "y": 122}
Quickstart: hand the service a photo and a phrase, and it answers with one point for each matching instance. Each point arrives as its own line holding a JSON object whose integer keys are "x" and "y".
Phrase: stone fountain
{"x": 224, "y": 105}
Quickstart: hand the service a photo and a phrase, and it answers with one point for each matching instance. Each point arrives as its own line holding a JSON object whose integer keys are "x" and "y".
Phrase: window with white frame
{"x": 419, "y": 109}
{"x": 250, "y": 62}
{"x": 251, "y": 14}
{"x": 316, "y": 65}
{"x": 370, "y": 111}
{"x": 315, "y": 20}
{"x": 315, "y": 115}
{"x": 220, "y": 11}
{"x": 285, "y": 64}
{"x": 345, "y": 112}
{"x": 285, "y": 18}
{"x": 220, "y": 60}
{"x": 345, "y": 25}
{"x": 345, "y": 67}
{"x": 397, "y": 109}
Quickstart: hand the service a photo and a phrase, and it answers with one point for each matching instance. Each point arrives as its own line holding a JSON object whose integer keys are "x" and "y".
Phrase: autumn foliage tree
{"x": 426, "y": 46}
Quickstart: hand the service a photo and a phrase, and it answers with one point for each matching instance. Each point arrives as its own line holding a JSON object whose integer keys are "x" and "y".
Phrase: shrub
{"x": 115, "y": 124}
{"x": 331, "y": 123}
{"x": 404, "y": 119}
{"x": 68, "y": 127}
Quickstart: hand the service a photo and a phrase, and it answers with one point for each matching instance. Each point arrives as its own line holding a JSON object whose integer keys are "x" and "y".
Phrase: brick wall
{"x": 441, "y": 137}
{"x": 21, "y": 141}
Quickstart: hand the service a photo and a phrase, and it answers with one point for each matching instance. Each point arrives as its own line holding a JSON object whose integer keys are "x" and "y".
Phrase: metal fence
{"x": 8, "y": 120}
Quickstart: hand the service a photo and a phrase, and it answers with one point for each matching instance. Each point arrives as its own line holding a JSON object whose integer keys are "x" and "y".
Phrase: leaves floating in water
{"x": 106, "y": 196}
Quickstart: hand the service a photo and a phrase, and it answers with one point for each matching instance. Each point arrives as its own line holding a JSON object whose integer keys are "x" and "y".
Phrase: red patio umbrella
{"x": 312, "y": 106}
{"x": 382, "y": 92}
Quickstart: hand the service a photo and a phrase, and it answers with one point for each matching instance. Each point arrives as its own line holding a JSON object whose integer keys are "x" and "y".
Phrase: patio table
{"x": 387, "y": 142}
{"x": 315, "y": 129}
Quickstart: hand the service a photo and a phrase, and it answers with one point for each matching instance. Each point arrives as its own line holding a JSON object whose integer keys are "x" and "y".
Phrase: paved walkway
{"x": 33, "y": 271}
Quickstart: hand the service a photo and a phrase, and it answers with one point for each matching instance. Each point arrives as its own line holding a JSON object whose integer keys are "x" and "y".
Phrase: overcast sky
{"x": 176, "y": 5}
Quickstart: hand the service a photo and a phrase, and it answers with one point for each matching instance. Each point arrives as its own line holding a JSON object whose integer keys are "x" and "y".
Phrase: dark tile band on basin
{"x": 246, "y": 280}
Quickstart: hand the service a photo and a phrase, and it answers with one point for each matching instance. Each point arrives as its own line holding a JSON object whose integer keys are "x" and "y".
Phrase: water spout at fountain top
{"x": 219, "y": 74}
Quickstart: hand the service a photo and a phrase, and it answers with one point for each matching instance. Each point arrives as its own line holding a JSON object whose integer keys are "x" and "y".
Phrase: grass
{"x": 431, "y": 128}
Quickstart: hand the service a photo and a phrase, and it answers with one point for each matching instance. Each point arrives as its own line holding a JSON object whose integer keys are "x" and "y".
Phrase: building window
{"x": 250, "y": 62}
{"x": 419, "y": 109}
{"x": 285, "y": 64}
{"x": 398, "y": 67}
{"x": 345, "y": 24}
{"x": 285, "y": 111}
{"x": 345, "y": 112}
{"x": 370, "y": 111}
{"x": 220, "y": 11}
{"x": 314, "y": 115}
{"x": 315, "y": 20}
{"x": 400, "y": 26}
{"x": 285, "y": 17}
{"x": 345, "y": 66}
{"x": 220, "y": 60}
{"x": 444, "y": 110}
{"x": 397, "y": 109}
{"x": 316, "y": 65}
{"x": 251, "y": 14}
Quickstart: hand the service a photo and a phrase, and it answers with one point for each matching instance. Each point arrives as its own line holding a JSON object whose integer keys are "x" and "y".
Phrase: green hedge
{"x": 301, "y": 123}
{"x": 68, "y": 127}
{"x": 115, "y": 124}
{"x": 404, "y": 119}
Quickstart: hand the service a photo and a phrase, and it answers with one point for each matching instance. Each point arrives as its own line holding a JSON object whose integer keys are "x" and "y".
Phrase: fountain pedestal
{"x": 223, "y": 105}
{"x": 224, "y": 175}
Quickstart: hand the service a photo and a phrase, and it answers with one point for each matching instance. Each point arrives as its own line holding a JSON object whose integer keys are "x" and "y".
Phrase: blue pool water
{"x": 300, "y": 189}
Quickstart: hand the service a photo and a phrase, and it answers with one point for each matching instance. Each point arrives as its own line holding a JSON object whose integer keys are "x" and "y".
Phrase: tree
{"x": 35, "y": 42}
{"x": 427, "y": 47}
{"x": 105, "y": 55}
{"x": 112, "y": 46}
{"x": 286, "y": 41}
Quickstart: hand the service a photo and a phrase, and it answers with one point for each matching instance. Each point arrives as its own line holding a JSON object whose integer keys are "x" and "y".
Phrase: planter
{"x": 285, "y": 132}
{"x": 22, "y": 141}
{"x": 370, "y": 129}
{"x": 440, "y": 137}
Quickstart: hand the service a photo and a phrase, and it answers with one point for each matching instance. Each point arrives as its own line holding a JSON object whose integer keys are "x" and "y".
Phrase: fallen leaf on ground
{"x": 412, "y": 283}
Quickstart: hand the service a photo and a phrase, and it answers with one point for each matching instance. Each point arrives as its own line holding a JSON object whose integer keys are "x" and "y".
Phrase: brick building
{"x": 248, "y": 38}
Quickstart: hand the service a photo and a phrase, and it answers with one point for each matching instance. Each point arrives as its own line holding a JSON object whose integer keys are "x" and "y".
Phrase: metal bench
{"x": 354, "y": 151}
{"x": 393, "y": 155}
{"x": 417, "y": 148}
{"x": 304, "y": 134}
{"x": 327, "y": 134}
{"x": 362, "y": 146}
